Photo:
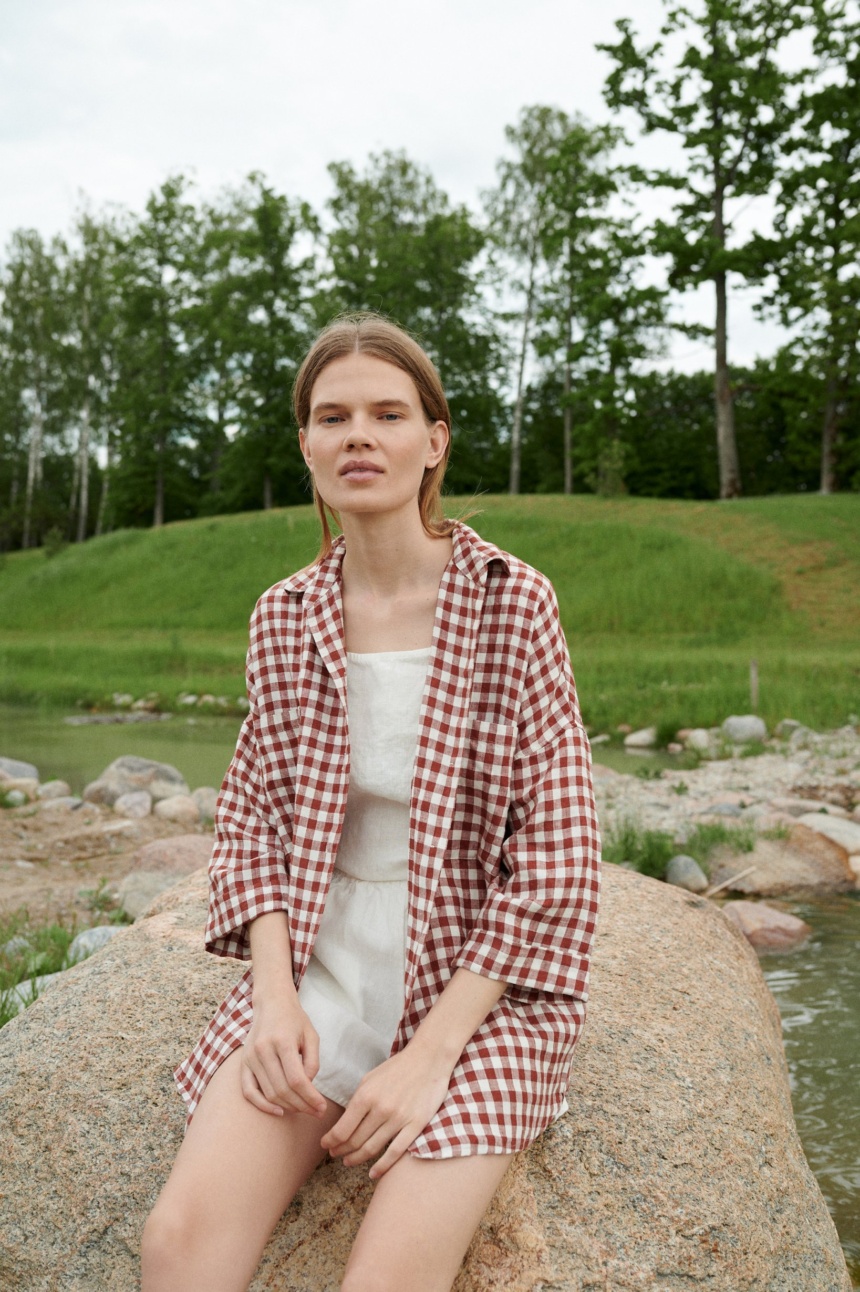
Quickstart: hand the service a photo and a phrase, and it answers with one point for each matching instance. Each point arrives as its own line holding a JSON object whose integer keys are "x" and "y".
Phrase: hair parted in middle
{"x": 374, "y": 335}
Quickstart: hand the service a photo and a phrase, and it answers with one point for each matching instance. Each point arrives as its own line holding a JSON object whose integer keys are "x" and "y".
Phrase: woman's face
{"x": 367, "y": 442}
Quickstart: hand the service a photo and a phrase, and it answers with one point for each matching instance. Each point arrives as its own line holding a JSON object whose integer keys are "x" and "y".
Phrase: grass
{"x": 33, "y": 951}
{"x": 649, "y": 851}
{"x": 664, "y": 604}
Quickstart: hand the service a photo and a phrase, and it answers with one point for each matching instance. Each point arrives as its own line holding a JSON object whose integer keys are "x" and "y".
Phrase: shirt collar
{"x": 472, "y": 555}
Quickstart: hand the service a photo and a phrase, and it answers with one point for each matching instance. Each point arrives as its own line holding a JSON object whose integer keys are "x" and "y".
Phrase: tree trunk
{"x": 517, "y": 425}
{"x": 829, "y": 430}
{"x": 727, "y": 449}
{"x": 34, "y": 463}
{"x": 84, "y": 469}
{"x": 158, "y": 509}
{"x": 103, "y": 499}
{"x": 567, "y": 447}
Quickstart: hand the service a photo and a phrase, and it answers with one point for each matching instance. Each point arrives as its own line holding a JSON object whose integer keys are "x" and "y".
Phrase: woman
{"x": 406, "y": 849}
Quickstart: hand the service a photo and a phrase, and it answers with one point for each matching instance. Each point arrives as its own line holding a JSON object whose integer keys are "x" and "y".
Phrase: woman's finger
{"x": 372, "y": 1146}
{"x": 254, "y": 1096}
{"x": 393, "y": 1153}
{"x": 349, "y": 1131}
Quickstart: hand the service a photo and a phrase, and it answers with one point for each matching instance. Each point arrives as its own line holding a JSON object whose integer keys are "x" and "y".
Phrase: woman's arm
{"x": 281, "y": 1051}
{"x": 395, "y": 1101}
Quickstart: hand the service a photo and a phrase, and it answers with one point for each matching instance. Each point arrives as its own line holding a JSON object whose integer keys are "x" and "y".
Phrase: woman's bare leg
{"x": 420, "y": 1222}
{"x": 236, "y": 1172}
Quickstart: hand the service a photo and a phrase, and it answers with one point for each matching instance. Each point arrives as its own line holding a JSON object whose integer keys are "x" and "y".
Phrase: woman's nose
{"x": 359, "y": 432}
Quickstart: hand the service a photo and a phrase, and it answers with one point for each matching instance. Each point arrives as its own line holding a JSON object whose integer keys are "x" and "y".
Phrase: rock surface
{"x": 131, "y": 773}
{"x": 54, "y": 790}
{"x": 742, "y": 729}
{"x": 685, "y": 872}
{"x": 136, "y": 804}
{"x": 678, "y": 1164}
{"x": 206, "y": 798}
{"x": 646, "y": 738}
{"x": 766, "y": 928}
{"x": 14, "y": 767}
{"x": 180, "y": 808}
{"x": 804, "y": 861}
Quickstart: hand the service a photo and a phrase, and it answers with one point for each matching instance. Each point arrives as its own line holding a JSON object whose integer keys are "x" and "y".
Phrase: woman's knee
{"x": 170, "y": 1235}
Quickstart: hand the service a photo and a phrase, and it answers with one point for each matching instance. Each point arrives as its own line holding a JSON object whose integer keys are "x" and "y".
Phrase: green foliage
{"x": 36, "y": 950}
{"x": 648, "y": 851}
{"x": 711, "y": 835}
{"x": 103, "y": 906}
{"x": 661, "y": 616}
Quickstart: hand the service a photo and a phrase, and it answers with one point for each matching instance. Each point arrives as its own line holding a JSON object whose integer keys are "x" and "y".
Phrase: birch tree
{"x": 713, "y": 82}
{"x": 815, "y": 255}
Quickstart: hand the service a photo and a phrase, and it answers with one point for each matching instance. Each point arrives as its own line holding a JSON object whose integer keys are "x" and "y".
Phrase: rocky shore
{"x": 679, "y": 1160}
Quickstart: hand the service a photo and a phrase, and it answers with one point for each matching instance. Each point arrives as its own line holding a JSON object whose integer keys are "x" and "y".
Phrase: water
{"x": 200, "y": 747}
{"x": 817, "y": 987}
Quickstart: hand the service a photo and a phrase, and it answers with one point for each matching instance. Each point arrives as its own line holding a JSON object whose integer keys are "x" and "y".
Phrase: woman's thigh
{"x": 420, "y": 1222}
{"x": 236, "y": 1172}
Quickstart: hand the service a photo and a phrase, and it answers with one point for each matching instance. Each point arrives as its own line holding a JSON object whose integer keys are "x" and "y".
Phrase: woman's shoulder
{"x": 508, "y": 576}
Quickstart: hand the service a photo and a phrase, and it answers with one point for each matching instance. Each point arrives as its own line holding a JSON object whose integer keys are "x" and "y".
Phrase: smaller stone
{"x": 645, "y": 738}
{"x": 206, "y": 798}
{"x": 801, "y": 737}
{"x": 180, "y": 808}
{"x": 845, "y": 833}
{"x": 206, "y": 699}
{"x": 23, "y": 995}
{"x": 122, "y": 700}
{"x": 766, "y": 928}
{"x": 26, "y": 785}
{"x": 26, "y": 865}
{"x": 724, "y": 809}
{"x": 242, "y": 702}
{"x": 180, "y": 855}
{"x": 17, "y": 946}
{"x": 624, "y": 728}
{"x": 786, "y": 728}
{"x": 15, "y": 798}
{"x": 135, "y": 804}
{"x": 699, "y": 739}
{"x": 91, "y": 940}
{"x": 743, "y": 729}
{"x": 68, "y": 801}
{"x": 602, "y": 739}
{"x": 674, "y": 748}
{"x": 187, "y": 699}
{"x": 685, "y": 872}
{"x": 138, "y": 891}
{"x": 15, "y": 769}
{"x": 54, "y": 790}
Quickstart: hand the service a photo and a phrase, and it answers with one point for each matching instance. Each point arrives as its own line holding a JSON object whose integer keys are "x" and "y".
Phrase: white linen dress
{"x": 353, "y": 987}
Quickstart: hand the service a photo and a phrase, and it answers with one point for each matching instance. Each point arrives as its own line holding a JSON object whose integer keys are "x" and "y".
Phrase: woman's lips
{"x": 361, "y": 471}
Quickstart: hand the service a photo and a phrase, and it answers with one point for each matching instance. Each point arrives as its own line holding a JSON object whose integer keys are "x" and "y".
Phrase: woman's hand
{"x": 281, "y": 1059}
{"x": 393, "y": 1104}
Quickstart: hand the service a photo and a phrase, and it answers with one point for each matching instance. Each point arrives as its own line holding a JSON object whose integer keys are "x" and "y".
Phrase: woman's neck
{"x": 387, "y": 557}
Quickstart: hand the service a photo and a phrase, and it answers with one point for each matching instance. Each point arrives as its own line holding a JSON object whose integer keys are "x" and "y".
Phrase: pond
{"x": 817, "y": 987}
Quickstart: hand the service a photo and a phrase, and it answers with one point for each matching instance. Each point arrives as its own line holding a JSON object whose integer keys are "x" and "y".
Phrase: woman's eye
{"x": 331, "y": 420}
{"x": 391, "y": 417}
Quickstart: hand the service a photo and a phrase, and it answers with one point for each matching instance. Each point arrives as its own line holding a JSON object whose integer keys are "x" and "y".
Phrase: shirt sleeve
{"x": 248, "y": 872}
{"x": 537, "y": 924}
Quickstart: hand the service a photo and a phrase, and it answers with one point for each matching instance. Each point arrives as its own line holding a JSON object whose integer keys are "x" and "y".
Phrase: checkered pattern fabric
{"x": 503, "y": 846}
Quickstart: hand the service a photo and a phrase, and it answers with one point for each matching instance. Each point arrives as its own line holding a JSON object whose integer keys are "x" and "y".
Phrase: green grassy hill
{"x": 664, "y": 604}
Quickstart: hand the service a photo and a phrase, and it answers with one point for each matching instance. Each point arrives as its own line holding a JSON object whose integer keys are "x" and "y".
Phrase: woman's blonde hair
{"x": 367, "y": 333}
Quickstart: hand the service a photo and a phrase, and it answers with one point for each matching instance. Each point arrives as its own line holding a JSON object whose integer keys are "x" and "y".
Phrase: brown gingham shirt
{"x": 503, "y": 844}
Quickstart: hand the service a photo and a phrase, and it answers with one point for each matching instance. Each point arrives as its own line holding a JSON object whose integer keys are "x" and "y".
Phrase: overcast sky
{"x": 104, "y": 98}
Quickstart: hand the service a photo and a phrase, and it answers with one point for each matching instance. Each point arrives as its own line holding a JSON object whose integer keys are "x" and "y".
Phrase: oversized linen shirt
{"x": 503, "y": 838}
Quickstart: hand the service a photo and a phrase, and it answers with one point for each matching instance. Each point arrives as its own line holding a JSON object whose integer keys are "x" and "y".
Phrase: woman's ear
{"x": 303, "y": 445}
{"x": 439, "y": 437}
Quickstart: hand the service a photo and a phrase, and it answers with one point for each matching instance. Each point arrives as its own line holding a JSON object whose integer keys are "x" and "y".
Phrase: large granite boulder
{"x": 677, "y": 1165}
{"x": 130, "y": 773}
